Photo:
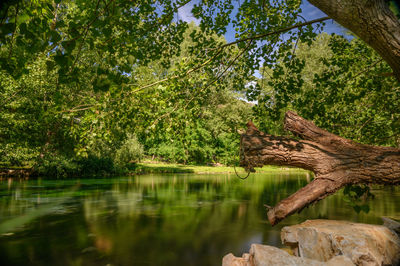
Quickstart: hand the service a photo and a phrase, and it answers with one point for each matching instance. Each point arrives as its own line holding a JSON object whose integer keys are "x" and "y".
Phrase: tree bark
{"x": 335, "y": 161}
{"x": 372, "y": 21}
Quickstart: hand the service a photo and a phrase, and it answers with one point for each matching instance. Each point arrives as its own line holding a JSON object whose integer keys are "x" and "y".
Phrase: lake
{"x": 180, "y": 219}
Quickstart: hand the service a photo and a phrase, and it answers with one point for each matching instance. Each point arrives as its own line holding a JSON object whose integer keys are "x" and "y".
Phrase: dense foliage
{"x": 87, "y": 83}
{"x": 339, "y": 84}
{"x": 65, "y": 128}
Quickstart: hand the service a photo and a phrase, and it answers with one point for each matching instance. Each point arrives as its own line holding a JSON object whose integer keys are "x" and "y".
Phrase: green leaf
{"x": 131, "y": 59}
{"x": 7, "y": 28}
{"x": 50, "y": 65}
{"x": 101, "y": 83}
{"x": 61, "y": 59}
{"x": 357, "y": 208}
{"x": 23, "y": 28}
{"x": 50, "y": 6}
{"x": 365, "y": 208}
{"x": 69, "y": 45}
{"x": 20, "y": 41}
{"x": 60, "y": 24}
{"x": 107, "y": 32}
{"x": 54, "y": 36}
{"x": 23, "y": 18}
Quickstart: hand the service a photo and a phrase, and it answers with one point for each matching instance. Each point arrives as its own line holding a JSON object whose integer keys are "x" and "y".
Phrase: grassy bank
{"x": 59, "y": 169}
{"x": 159, "y": 167}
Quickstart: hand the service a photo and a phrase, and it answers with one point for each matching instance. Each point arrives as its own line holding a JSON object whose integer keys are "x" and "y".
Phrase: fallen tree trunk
{"x": 335, "y": 161}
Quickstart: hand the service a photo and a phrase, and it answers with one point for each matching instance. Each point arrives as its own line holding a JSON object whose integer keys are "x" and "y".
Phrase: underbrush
{"x": 62, "y": 167}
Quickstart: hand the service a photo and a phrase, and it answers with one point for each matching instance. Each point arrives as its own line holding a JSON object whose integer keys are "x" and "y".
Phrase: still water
{"x": 183, "y": 219}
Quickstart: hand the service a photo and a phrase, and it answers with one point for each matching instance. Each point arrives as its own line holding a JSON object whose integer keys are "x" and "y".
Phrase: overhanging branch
{"x": 220, "y": 49}
{"x": 260, "y": 36}
{"x": 335, "y": 161}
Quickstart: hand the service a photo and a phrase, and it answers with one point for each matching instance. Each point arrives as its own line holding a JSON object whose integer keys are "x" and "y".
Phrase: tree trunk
{"x": 372, "y": 21}
{"x": 335, "y": 161}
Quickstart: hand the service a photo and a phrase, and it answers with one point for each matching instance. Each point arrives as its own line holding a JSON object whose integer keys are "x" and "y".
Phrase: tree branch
{"x": 367, "y": 69}
{"x": 97, "y": 15}
{"x": 260, "y": 36}
{"x": 13, "y": 33}
{"x": 204, "y": 88}
{"x": 177, "y": 76}
{"x": 222, "y": 47}
{"x": 372, "y": 21}
{"x": 334, "y": 160}
{"x": 314, "y": 191}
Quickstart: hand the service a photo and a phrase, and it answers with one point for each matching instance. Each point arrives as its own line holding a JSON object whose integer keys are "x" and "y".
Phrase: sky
{"x": 309, "y": 13}
{"x": 185, "y": 14}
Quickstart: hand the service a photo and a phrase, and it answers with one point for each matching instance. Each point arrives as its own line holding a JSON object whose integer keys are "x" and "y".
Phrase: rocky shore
{"x": 328, "y": 242}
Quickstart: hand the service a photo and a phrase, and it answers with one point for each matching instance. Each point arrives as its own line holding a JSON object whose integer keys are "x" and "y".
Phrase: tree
{"x": 335, "y": 161}
{"x": 91, "y": 112}
{"x": 126, "y": 35}
{"x": 373, "y": 22}
{"x": 335, "y": 92}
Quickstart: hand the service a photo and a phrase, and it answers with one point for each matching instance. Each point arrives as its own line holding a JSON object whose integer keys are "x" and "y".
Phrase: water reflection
{"x": 155, "y": 220}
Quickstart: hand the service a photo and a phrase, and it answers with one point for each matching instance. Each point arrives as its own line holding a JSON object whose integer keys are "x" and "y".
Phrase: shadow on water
{"x": 154, "y": 169}
{"x": 183, "y": 219}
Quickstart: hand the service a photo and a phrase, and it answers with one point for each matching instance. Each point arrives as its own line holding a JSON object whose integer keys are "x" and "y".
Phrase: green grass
{"x": 159, "y": 167}
{"x": 154, "y": 167}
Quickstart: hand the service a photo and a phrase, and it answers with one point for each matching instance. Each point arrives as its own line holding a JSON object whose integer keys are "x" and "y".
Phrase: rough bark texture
{"x": 372, "y": 21}
{"x": 335, "y": 161}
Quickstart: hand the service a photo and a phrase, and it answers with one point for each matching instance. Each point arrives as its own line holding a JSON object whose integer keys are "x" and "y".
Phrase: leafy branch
{"x": 263, "y": 35}
{"x": 221, "y": 49}
{"x": 230, "y": 64}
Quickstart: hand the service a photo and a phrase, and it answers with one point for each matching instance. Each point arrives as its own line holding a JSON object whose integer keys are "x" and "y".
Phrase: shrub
{"x": 56, "y": 166}
{"x": 15, "y": 155}
{"x": 130, "y": 151}
{"x": 98, "y": 147}
{"x": 60, "y": 166}
{"x": 170, "y": 152}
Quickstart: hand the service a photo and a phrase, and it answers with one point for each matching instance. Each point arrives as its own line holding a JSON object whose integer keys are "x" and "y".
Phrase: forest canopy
{"x": 108, "y": 82}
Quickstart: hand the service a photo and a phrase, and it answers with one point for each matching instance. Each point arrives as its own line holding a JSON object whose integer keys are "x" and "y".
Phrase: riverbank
{"x": 147, "y": 167}
{"x": 151, "y": 167}
{"x": 15, "y": 172}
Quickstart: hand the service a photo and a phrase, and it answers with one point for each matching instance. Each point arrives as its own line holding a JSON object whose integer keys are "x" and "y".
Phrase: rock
{"x": 328, "y": 242}
{"x": 391, "y": 224}
{"x": 322, "y": 240}
{"x": 339, "y": 260}
{"x": 261, "y": 255}
{"x": 267, "y": 255}
{"x": 231, "y": 260}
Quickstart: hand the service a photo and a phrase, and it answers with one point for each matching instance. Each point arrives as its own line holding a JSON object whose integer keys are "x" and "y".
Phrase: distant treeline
{"x": 107, "y": 111}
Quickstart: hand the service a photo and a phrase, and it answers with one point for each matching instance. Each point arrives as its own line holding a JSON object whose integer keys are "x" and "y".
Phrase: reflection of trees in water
{"x": 206, "y": 215}
{"x": 185, "y": 213}
{"x": 174, "y": 219}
